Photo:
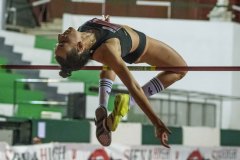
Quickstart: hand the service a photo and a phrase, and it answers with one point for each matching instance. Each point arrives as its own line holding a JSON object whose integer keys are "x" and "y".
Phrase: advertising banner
{"x": 78, "y": 151}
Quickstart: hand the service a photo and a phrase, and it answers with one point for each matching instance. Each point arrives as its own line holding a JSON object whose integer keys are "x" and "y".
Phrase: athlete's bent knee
{"x": 108, "y": 74}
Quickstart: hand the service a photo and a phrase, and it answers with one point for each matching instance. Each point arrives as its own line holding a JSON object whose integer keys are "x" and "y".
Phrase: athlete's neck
{"x": 87, "y": 39}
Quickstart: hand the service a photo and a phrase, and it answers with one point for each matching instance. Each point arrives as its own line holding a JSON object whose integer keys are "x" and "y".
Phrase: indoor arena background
{"x": 46, "y": 117}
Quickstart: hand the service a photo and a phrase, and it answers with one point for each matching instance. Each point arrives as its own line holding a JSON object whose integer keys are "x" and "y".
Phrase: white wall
{"x": 236, "y": 78}
{"x": 201, "y": 136}
{"x": 201, "y": 43}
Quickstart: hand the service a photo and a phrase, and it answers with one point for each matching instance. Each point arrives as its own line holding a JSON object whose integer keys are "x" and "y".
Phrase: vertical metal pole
{"x": 188, "y": 110}
{"x": 220, "y": 116}
{"x": 161, "y": 108}
{"x": 204, "y": 112}
{"x": 104, "y": 7}
{"x": 169, "y": 109}
{"x": 176, "y": 111}
{"x": 169, "y": 10}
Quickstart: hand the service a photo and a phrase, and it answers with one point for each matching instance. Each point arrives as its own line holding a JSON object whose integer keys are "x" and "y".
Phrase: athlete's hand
{"x": 162, "y": 133}
{"x": 106, "y": 18}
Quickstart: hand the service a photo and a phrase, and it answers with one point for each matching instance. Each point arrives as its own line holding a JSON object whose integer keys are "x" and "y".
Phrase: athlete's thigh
{"x": 160, "y": 54}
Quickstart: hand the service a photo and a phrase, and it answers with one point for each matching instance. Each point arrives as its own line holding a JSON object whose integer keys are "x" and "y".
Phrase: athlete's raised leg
{"x": 103, "y": 134}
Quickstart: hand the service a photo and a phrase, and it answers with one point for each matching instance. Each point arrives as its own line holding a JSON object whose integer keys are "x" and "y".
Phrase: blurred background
{"x": 202, "y": 109}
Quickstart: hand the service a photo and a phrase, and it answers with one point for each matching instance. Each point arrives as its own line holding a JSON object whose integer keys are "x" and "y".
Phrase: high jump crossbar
{"x": 132, "y": 68}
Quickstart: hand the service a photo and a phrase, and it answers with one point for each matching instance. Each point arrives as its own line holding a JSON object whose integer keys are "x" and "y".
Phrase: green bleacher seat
{"x": 6, "y": 95}
{"x": 7, "y": 80}
{"x": 34, "y": 111}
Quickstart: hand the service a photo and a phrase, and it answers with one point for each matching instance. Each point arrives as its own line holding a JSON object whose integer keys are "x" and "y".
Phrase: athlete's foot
{"x": 103, "y": 134}
{"x": 121, "y": 108}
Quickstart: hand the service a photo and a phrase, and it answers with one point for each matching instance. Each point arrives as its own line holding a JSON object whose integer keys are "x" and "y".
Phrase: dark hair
{"x": 73, "y": 62}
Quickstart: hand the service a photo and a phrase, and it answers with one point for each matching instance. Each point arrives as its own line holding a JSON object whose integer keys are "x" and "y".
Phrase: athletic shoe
{"x": 121, "y": 108}
{"x": 103, "y": 134}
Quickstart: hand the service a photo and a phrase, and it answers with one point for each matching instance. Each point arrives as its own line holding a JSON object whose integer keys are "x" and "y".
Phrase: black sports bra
{"x": 108, "y": 30}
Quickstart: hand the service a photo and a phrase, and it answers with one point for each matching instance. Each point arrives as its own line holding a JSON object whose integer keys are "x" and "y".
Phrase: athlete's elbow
{"x": 183, "y": 72}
